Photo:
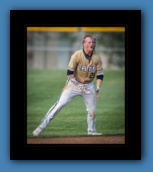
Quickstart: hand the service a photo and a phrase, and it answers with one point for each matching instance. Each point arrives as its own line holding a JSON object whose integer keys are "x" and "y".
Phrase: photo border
{"x": 19, "y": 20}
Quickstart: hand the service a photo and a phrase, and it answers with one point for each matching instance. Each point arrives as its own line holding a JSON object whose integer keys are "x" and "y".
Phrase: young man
{"x": 84, "y": 65}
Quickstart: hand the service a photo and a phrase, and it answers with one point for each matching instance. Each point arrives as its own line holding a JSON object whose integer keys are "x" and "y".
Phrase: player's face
{"x": 89, "y": 44}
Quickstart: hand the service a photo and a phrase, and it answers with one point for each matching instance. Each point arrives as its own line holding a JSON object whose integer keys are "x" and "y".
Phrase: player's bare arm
{"x": 98, "y": 83}
{"x": 72, "y": 78}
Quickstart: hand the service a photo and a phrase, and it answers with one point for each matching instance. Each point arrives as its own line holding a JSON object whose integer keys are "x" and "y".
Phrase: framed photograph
{"x": 42, "y": 43}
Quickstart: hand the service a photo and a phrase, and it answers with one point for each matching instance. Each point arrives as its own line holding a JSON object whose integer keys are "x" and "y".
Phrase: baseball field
{"x": 44, "y": 87}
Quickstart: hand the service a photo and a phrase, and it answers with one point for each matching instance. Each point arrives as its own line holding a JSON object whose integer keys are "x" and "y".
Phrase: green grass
{"x": 44, "y": 88}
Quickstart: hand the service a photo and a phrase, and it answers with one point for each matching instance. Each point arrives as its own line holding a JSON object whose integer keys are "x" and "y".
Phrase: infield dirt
{"x": 79, "y": 140}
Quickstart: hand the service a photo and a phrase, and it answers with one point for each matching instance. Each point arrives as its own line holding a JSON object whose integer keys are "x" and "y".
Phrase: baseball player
{"x": 84, "y": 65}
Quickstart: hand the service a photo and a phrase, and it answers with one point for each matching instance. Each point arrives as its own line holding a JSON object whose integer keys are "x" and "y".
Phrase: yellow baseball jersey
{"x": 85, "y": 70}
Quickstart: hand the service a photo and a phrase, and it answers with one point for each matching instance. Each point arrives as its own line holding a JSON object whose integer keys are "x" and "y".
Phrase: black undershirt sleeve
{"x": 69, "y": 72}
{"x": 100, "y": 77}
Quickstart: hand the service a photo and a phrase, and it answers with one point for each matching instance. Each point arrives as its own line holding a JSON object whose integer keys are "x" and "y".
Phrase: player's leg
{"x": 90, "y": 101}
{"x": 68, "y": 93}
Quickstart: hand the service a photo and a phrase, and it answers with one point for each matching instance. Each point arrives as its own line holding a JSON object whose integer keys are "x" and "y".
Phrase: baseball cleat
{"x": 94, "y": 133}
{"x": 37, "y": 132}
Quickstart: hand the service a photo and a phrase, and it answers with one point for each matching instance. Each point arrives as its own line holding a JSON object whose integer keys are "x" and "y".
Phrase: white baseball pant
{"x": 69, "y": 92}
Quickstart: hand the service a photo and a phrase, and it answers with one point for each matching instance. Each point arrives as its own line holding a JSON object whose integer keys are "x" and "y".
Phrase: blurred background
{"x": 49, "y": 50}
{"x": 52, "y": 47}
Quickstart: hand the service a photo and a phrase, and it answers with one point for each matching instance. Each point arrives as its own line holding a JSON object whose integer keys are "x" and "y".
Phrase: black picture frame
{"x": 19, "y": 20}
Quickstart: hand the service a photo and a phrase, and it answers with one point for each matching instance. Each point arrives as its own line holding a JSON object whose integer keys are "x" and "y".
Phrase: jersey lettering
{"x": 92, "y": 69}
{"x": 85, "y": 69}
{"x": 79, "y": 68}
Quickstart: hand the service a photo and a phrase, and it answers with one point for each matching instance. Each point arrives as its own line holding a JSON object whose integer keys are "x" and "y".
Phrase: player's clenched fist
{"x": 97, "y": 93}
{"x": 83, "y": 88}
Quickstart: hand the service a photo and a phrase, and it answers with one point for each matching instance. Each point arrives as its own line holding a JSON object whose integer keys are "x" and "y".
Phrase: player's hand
{"x": 83, "y": 89}
{"x": 97, "y": 93}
